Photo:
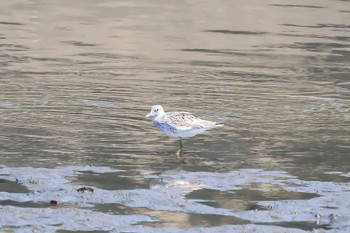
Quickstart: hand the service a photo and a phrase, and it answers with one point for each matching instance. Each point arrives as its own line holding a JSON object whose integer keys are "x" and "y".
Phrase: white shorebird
{"x": 180, "y": 125}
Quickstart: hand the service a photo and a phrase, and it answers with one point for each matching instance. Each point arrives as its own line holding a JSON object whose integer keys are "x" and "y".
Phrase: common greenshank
{"x": 180, "y": 125}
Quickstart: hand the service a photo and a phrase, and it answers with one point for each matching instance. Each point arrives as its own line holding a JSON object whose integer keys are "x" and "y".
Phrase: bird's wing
{"x": 184, "y": 121}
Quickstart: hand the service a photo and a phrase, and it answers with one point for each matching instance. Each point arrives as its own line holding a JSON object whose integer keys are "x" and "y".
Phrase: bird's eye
{"x": 156, "y": 110}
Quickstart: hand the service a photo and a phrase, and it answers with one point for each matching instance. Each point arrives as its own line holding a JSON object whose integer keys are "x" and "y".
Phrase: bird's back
{"x": 187, "y": 121}
{"x": 182, "y": 124}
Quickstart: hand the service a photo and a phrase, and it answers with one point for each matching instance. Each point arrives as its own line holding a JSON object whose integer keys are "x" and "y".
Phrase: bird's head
{"x": 155, "y": 111}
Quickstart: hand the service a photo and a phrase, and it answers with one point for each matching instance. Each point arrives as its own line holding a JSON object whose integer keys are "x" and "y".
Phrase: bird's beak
{"x": 148, "y": 115}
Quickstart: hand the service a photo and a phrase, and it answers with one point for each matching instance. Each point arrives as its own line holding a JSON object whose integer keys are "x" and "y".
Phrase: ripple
{"x": 80, "y": 43}
{"x": 298, "y": 6}
{"x": 100, "y": 104}
{"x": 237, "y": 32}
{"x": 11, "y": 23}
{"x": 10, "y": 106}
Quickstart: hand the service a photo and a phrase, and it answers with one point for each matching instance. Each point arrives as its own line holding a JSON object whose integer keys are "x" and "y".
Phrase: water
{"x": 77, "y": 79}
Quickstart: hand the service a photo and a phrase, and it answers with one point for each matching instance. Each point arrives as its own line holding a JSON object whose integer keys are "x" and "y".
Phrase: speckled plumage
{"x": 179, "y": 124}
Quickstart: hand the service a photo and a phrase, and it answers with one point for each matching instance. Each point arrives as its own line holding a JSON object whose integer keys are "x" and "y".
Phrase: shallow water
{"x": 77, "y": 79}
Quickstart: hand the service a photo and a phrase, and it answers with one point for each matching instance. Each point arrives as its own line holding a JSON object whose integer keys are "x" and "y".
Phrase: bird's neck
{"x": 158, "y": 116}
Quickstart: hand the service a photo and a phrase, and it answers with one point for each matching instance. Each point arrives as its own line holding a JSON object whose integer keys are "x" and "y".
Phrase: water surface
{"x": 77, "y": 79}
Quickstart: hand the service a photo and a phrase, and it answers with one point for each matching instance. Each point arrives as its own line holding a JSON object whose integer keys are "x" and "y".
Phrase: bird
{"x": 180, "y": 125}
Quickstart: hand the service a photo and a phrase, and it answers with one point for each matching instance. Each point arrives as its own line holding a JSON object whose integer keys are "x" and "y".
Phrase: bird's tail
{"x": 219, "y": 124}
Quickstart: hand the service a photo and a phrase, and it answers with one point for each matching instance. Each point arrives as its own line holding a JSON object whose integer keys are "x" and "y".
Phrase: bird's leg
{"x": 179, "y": 152}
